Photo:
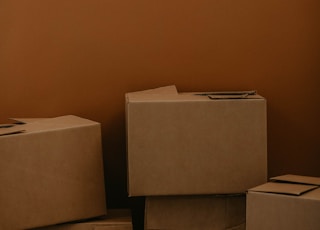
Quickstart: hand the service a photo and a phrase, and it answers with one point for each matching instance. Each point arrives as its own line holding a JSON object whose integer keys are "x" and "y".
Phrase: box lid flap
{"x": 171, "y": 89}
{"x": 26, "y": 120}
{"x": 284, "y": 188}
{"x": 46, "y": 124}
{"x": 297, "y": 179}
{"x": 11, "y": 130}
{"x": 170, "y": 94}
{"x": 229, "y": 94}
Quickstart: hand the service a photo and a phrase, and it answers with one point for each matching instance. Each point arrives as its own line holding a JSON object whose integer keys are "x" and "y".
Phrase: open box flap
{"x": 284, "y": 188}
{"x": 11, "y": 130}
{"x": 26, "y": 120}
{"x": 169, "y": 94}
{"x": 229, "y": 94}
{"x": 171, "y": 89}
{"x": 45, "y": 124}
{"x": 16, "y": 126}
{"x": 297, "y": 179}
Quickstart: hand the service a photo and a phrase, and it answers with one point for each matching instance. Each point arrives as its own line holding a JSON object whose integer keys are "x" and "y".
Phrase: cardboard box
{"x": 195, "y": 212}
{"x": 117, "y": 219}
{"x": 51, "y": 171}
{"x": 287, "y": 202}
{"x": 189, "y": 143}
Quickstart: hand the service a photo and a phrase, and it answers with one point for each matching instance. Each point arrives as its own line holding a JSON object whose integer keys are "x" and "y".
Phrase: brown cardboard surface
{"x": 171, "y": 89}
{"x": 116, "y": 219}
{"x": 284, "y": 188}
{"x": 51, "y": 173}
{"x": 189, "y": 144}
{"x": 278, "y": 211}
{"x": 195, "y": 212}
{"x": 297, "y": 179}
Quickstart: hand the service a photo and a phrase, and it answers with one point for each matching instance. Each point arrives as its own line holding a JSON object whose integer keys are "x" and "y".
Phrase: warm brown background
{"x": 80, "y": 57}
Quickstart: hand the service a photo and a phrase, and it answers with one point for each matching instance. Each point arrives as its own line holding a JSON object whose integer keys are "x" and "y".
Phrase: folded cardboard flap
{"x": 284, "y": 188}
{"x": 6, "y": 125}
{"x": 297, "y": 179}
{"x": 171, "y": 89}
{"x": 289, "y": 184}
{"x": 170, "y": 94}
{"x": 229, "y": 94}
{"x": 28, "y": 125}
{"x": 12, "y": 129}
{"x": 17, "y": 126}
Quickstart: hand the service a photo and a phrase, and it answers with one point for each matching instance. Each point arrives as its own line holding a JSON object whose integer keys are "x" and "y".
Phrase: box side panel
{"x": 192, "y": 141}
{"x": 194, "y": 212}
{"x": 54, "y": 177}
{"x": 278, "y": 212}
{"x": 119, "y": 219}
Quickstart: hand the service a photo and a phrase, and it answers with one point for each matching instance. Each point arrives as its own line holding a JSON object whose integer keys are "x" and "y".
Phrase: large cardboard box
{"x": 116, "y": 219}
{"x": 195, "y": 143}
{"x": 226, "y": 212}
{"x": 287, "y": 202}
{"x": 51, "y": 171}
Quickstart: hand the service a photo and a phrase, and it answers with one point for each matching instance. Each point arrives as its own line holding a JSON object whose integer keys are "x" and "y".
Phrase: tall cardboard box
{"x": 287, "y": 202}
{"x": 226, "y": 212}
{"x": 51, "y": 171}
{"x": 116, "y": 219}
{"x": 195, "y": 143}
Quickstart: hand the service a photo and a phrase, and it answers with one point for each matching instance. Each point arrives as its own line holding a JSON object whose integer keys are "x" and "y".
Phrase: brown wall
{"x": 80, "y": 57}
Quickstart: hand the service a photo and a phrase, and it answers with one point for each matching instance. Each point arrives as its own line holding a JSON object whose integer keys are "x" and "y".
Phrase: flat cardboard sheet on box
{"x": 195, "y": 212}
{"x": 289, "y": 202}
{"x": 52, "y": 172}
{"x": 187, "y": 143}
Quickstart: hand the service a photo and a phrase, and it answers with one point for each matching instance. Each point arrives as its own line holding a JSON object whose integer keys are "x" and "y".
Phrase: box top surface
{"x": 302, "y": 186}
{"x": 31, "y": 125}
{"x": 170, "y": 94}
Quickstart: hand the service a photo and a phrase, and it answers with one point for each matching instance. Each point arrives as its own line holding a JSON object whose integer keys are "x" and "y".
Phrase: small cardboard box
{"x": 195, "y": 143}
{"x": 287, "y": 202}
{"x": 51, "y": 171}
{"x": 117, "y": 219}
{"x": 195, "y": 212}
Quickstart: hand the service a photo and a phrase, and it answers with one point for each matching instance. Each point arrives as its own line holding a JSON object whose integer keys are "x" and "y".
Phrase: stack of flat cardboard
{"x": 194, "y": 155}
{"x": 51, "y": 171}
